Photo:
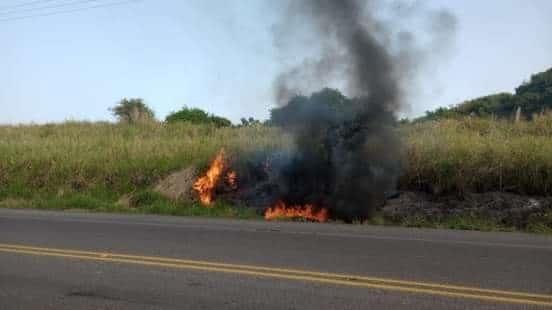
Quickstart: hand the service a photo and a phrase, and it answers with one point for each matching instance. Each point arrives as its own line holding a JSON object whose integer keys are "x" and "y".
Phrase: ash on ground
{"x": 508, "y": 209}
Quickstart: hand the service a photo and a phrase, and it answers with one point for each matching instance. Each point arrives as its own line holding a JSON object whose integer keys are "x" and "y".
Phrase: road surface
{"x": 61, "y": 260}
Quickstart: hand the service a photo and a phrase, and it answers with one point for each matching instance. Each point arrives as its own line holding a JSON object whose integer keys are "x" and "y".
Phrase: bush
{"x": 197, "y": 116}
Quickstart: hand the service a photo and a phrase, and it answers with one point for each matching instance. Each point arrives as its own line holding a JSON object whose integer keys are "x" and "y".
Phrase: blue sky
{"x": 219, "y": 56}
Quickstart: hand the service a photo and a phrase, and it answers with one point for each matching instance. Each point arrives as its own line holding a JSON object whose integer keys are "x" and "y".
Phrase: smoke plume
{"x": 347, "y": 151}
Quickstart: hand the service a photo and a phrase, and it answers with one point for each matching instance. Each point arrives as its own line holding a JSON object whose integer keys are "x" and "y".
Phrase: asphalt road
{"x": 56, "y": 260}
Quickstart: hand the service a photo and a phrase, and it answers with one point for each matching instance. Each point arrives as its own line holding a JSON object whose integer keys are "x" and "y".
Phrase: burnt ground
{"x": 259, "y": 188}
{"x": 501, "y": 208}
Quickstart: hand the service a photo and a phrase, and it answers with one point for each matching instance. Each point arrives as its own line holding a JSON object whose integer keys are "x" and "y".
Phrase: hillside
{"x": 533, "y": 97}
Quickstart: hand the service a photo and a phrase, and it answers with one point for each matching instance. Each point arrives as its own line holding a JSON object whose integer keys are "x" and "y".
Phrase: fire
{"x": 205, "y": 186}
{"x": 308, "y": 212}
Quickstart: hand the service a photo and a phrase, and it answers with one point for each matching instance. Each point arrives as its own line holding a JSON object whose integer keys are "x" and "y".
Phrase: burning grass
{"x": 307, "y": 212}
{"x": 206, "y": 188}
{"x": 219, "y": 170}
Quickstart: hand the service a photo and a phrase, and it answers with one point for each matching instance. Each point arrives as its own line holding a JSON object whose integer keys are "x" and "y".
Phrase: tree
{"x": 532, "y": 97}
{"x": 535, "y": 96}
{"x": 248, "y": 122}
{"x": 325, "y": 106}
{"x": 197, "y": 116}
{"x": 132, "y": 110}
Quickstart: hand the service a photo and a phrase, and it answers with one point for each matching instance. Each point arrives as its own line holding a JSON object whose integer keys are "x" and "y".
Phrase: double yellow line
{"x": 293, "y": 274}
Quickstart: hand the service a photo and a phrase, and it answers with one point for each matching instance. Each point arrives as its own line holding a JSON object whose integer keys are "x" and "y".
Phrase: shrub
{"x": 197, "y": 116}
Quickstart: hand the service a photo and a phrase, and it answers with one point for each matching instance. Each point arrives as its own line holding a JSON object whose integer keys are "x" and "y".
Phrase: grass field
{"x": 479, "y": 155}
{"x": 91, "y": 165}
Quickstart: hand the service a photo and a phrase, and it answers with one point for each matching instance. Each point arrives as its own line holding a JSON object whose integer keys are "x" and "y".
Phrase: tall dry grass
{"x": 476, "y": 154}
{"x": 111, "y": 159}
{"x": 106, "y": 160}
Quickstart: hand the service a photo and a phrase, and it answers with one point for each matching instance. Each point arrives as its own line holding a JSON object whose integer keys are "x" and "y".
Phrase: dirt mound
{"x": 125, "y": 201}
{"x": 178, "y": 185}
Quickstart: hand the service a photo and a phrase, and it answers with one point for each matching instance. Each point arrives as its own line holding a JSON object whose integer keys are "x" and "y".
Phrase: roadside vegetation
{"x": 94, "y": 166}
{"x": 530, "y": 99}
{"x": 479, "y": 155}
{"x": 91, "y": 165}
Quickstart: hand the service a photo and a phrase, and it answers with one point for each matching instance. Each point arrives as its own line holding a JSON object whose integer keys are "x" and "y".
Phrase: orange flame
{"x": 205, "y": 185}
{"x": 308, "y": 212}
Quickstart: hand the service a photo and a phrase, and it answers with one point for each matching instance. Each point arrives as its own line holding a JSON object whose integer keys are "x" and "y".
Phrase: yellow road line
{"x": 292, "y": 274}
{"x": 282, "y": 270}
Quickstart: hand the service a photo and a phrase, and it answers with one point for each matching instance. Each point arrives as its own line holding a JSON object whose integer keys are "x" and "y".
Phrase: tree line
{"x": 531, "y": 98}
{"x": 135, "y": 110}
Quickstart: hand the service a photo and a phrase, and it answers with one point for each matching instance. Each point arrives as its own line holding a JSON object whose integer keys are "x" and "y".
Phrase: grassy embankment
{"x": 480, "y": 155}
{"x": 90, "y": 166}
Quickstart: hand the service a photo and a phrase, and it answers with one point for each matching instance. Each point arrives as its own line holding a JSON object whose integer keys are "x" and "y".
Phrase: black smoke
{"x": 347, "y": 152}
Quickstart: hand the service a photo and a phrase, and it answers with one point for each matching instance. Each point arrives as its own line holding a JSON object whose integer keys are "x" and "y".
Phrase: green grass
{"x": 91, "y": 165}
{"x": 154, "y": 204}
